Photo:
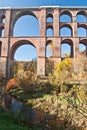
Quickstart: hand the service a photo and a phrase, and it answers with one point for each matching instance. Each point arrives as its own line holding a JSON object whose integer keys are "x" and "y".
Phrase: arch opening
{"x": 24, "y": 59}
{"x": 81, "y": 32}
{"x": 49, "y": 32}
{"x": 81, "y": 16}
{"x": 26, "y": 25}
{"x": 82, "y": 47}
{"x": 2, "y": 18}
{"x": 65, "y": 18}
{"x": 49, "y": 18}
{"x": 66, "y": 48}
{"x": 49, "y": 57}
{"x": 65, "y": 31}
{"x": 49, "y": 51}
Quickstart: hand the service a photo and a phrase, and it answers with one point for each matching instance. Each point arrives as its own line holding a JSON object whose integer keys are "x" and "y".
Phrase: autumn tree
{"x": 62, "y": 73}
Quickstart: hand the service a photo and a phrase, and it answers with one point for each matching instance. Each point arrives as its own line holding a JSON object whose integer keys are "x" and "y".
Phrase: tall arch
{"x": 26, "y": 18}
{"x": 30, "y": 63}
{"x": 17, "y": 45}
{"x": 67, "y": 48}
{"x": 49, "y": 51}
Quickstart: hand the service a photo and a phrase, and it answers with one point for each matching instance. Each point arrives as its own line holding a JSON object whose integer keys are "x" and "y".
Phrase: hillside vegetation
{"x": 58, "y": 102}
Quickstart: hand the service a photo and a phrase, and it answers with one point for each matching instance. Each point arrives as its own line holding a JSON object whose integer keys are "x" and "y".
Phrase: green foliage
{"x": 11, "y": 121}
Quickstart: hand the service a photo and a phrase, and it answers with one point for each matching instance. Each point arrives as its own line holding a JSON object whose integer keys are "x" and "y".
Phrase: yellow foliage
{"x": 63, "y": 66}
{"x": 81, "y": 94}
{"x": 62, "y": 73}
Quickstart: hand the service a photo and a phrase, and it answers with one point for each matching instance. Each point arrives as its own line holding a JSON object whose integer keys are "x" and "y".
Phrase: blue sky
{"x": 26, "y": 3}
{"x": 34, "y": 3}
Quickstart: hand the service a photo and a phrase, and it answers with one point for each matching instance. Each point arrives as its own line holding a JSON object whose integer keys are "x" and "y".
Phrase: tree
{"x": 62, "y": 72}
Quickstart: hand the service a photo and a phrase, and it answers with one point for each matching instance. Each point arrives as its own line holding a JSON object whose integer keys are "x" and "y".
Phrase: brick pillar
{"x": 3, "y": 56}
{"x": 56, "y": 22}
{"x": 74, "y": 26}
{"x": 41, "y": 57}
{"x": 7, "y": 22}
{"x": 57, "y": 49}
{"x": 7, "y": 40}
{"x": 75, "y": 47}
{"x": 86, "y": 50}
{"x": 43, "y": 22}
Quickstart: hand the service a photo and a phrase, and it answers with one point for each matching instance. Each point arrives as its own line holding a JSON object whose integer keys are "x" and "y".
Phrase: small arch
{"x": 67, "y": 48}
{"x": 65, "y": 16}
{"x": 49, "y": 18}
{"x": 82, "y": 31}
{"x": 2, "y": 18}
{"x": 65, "y": 30}
{"x": 83, "y": 46}
{"x": 49, "y": 31}
{"x": 81, "y": 16}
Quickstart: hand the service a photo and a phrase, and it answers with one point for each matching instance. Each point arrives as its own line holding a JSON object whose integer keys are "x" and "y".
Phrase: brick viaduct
{"x": 9, "y": 43}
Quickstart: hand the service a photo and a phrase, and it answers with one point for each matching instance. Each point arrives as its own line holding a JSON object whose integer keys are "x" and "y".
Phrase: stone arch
{"x": 81, "y": 16}
{"x": 18, "y": 44}
{"x": 49, "y": 17}
{"x": 49, "y": 11}
{"x": 69, "y": 50}
{"x": 49, "y": 31}
{"x": 66, "y": 28}
{"x": 49, "y": 48}
{"x": 20, "y": 14}
{"x": 83, "y": 12}
{"x": 12, "y": 51}
{"x": 82, "y": 25}
{"x": 83, "y": 46}
{"x": 66, "y": 13}
{"x": 82, "y": 30}
{"x": 2, "y": 18}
